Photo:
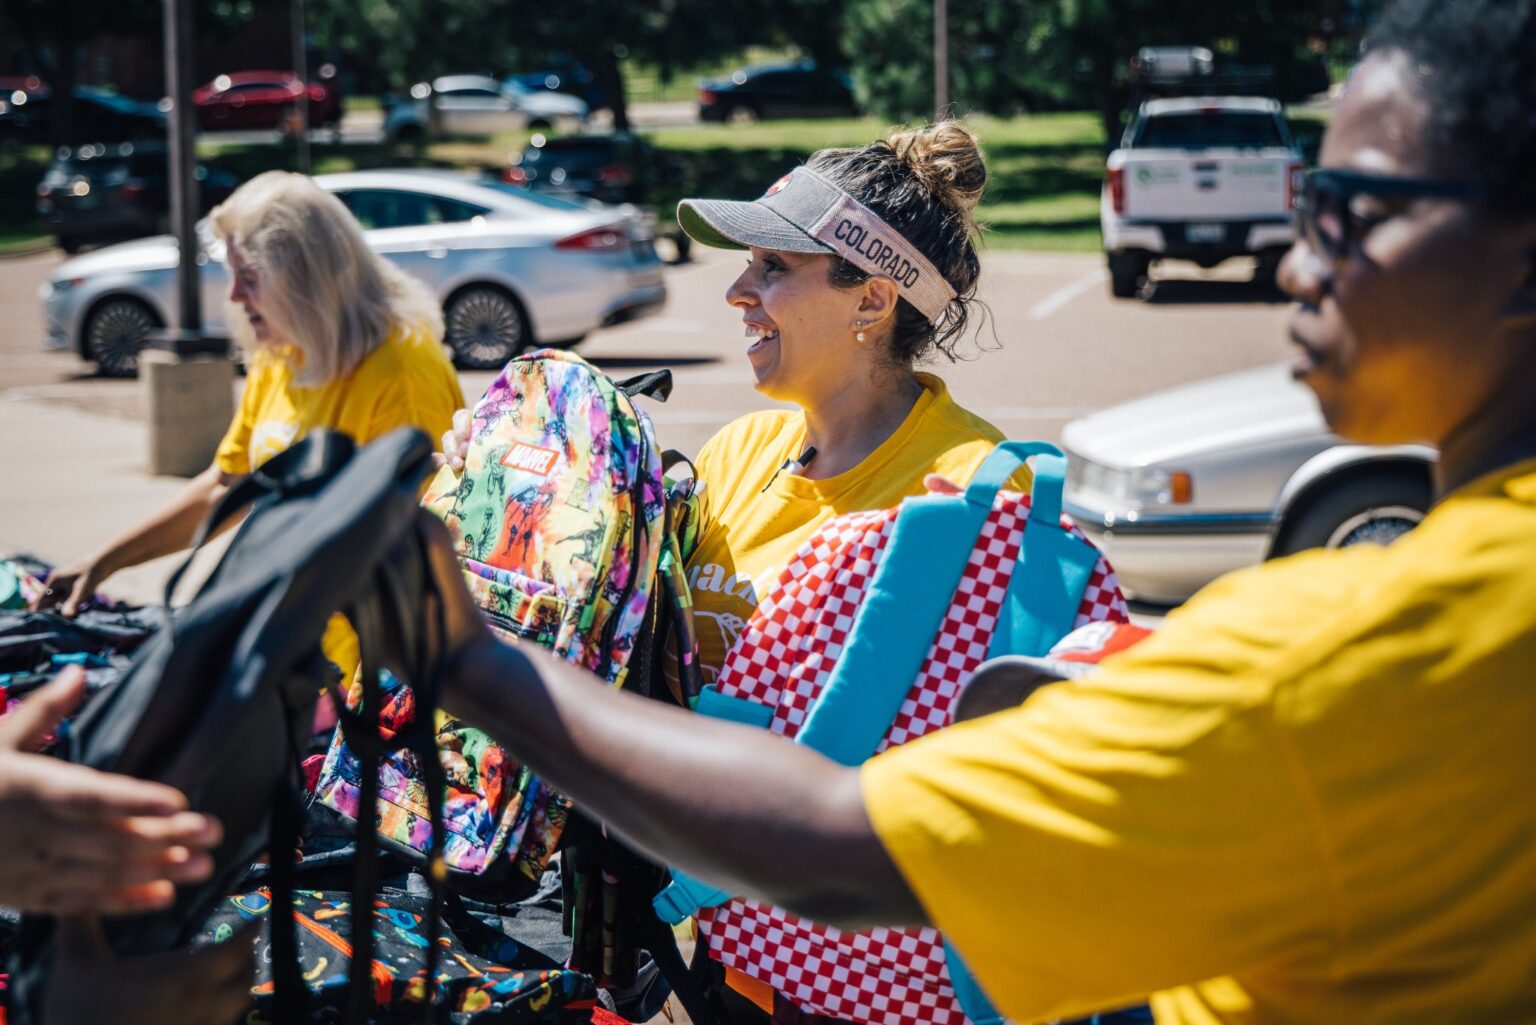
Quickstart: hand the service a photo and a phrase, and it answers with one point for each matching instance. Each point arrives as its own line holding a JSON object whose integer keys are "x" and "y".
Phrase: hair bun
{"x": 946, "y": 160}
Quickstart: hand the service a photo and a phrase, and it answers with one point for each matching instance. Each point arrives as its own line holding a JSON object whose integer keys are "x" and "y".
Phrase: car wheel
{"x": 70, "y": 244}
{"x": 410, "y": 134}
{"x": 486, "y": 327}
{"x": 116, "y": 332}
{"x": 538, "y": 124}
{"x": 1370, "y": 508}
{"x": 742, "y": 114}
{"x": 1126, "y": 274}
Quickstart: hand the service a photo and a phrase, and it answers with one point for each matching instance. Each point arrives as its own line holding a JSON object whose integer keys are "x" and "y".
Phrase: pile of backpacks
{"x": 572, "y": 534}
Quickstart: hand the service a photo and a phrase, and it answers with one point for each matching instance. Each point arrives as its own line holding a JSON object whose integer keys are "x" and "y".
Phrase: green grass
{"x": 20, "y": 171}
{"x": 1044, "y": 170}
{"x": 360, "y": 103}
{"x": 643, "y": 84}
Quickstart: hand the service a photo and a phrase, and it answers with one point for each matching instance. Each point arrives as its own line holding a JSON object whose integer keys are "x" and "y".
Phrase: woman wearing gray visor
{"x": 860, "y": 265}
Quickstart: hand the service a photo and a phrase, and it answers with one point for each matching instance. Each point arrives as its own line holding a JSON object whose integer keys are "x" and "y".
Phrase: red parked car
{"x": 265, "y": 99}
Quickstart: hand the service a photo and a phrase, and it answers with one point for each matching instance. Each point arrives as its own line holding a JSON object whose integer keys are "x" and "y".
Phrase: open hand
{"x": 82, "y": 840}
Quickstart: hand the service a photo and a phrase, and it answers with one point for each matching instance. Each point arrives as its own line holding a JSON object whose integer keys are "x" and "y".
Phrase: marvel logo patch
{"x": 778, "y": 186}
{"x": 530, "y": 459}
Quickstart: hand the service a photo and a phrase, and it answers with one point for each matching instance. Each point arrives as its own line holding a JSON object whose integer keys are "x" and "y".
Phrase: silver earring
{"x": 858, "y": 335}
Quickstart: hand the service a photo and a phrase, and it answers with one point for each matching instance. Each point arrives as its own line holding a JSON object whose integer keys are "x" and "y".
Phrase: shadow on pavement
{"x": 625, "y": 362}
{"x": 1173, "y": 292}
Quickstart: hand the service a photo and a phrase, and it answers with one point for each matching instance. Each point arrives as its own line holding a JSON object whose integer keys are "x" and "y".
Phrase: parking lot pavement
{"x": 1051, "y": 346}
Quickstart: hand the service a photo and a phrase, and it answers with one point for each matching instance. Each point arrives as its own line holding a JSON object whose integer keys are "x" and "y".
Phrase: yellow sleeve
{"x": 1112, "y": 837}
{"x": 233, "y": 455}
{"x": 411, "y": 384}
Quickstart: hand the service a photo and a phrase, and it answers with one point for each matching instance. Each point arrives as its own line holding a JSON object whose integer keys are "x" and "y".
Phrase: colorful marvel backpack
{"x": 560, "y": 520}
{"x": 865, "y": 642}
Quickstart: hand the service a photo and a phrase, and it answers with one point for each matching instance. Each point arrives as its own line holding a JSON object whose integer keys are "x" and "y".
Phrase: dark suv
{"x": 106, "y": 192}
{"x": 614, "y": 169}
{"x": 776, "y": 90}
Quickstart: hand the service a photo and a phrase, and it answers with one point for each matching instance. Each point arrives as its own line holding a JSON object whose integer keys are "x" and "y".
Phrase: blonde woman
{"x": 334, "y": 337}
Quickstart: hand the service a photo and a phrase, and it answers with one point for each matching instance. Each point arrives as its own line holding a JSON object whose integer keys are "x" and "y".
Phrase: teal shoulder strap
{"x": 1054, "y": 568}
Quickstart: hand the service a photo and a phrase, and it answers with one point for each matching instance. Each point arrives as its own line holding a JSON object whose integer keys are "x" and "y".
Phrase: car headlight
{"x": 59, "y": 286}
{"x": 1135, "y": 487}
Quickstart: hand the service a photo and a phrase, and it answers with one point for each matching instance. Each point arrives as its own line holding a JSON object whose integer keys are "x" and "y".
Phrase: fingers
{"x": 141, "y": 839}
{"x": 85, "y": 585}
{"x": 456, "y": 440}
{"x": 77, "y": 794}
{"x": 38, "y": 716}
{"x": 938, "y": 484}
{"x": 56, "y": 898}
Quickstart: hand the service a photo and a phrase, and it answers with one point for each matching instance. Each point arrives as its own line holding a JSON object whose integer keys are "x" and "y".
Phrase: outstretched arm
{"x": 736, "y": 806}
{"x": 169, "y": 531}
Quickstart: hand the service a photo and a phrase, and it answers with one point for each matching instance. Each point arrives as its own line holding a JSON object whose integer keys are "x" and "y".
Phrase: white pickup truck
{"x": 1199, "y": 178}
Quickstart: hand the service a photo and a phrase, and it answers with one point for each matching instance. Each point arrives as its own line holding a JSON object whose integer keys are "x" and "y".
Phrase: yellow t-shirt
{"x": 1307, "y": 799}
{"x": 748, "y": 534}
{"x": 406, "y": 381}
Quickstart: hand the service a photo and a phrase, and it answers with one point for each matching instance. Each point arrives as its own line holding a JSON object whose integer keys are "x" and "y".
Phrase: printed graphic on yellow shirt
{"x": 271, "y": 437}
{"x": 722, "y": 603}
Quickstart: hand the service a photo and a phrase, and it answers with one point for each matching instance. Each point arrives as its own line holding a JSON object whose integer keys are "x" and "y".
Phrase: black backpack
{"x": 219, "y": 701}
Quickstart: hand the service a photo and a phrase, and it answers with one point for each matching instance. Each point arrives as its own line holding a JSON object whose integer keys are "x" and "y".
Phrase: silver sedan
{"x": 1185, "y": 485}
{"x": 511, "y": 268}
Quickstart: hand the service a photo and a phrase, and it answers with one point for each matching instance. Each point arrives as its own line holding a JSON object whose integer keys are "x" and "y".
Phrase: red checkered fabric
{"x": 783, "y": 659}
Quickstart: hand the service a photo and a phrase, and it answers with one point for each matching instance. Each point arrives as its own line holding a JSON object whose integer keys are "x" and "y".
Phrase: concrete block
{"x": 190, "y": 402}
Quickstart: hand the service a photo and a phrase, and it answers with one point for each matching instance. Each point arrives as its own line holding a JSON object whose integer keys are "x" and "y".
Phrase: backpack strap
{"x": 655, "y": 385}
{"x": 1054, "y": 568}
{"x": 298, "y": 469}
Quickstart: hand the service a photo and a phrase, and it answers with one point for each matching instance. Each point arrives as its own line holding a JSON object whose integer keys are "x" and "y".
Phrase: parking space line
{"x": 1066, "y": 293}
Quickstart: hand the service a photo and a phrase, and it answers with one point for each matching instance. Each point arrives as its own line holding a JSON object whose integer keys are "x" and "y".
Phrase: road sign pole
{"x": 940, "y": 59}
{"x": 187, "y": 376}
{"x": 301, "y": 68}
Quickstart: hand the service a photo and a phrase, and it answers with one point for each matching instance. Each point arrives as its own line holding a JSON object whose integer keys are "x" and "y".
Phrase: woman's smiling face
{"x": 799, "y": 326}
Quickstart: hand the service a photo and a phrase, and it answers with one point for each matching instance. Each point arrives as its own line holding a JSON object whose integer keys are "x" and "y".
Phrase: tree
{"x": 51, "y": 35}
{"x": 1008, "y": 55}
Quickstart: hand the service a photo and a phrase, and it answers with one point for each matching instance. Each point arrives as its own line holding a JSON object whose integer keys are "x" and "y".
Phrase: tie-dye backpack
{"x": 560, "y": 518}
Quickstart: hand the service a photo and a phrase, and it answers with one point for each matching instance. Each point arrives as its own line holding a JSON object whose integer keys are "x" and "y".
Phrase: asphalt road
{"x": 1053, "y": 346}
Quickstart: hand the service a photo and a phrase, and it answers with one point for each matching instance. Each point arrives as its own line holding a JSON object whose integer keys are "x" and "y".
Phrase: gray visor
{"x": 803, "y": 212}
{"x": 733, "y": 224}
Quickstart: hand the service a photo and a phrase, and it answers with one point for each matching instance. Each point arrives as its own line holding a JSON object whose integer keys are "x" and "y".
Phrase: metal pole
{"x": 183, "y": 169}
{"x": 187, "y": 377}
{"x": 301, "y": 68}
{"x": 940, "y": 59}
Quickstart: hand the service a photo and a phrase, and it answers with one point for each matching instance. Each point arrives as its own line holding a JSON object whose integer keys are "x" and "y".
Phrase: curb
{"x": 35, "y": 248}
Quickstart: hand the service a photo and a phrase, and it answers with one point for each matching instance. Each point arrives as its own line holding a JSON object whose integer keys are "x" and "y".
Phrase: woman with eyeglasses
{"x": 1307, "y": 798}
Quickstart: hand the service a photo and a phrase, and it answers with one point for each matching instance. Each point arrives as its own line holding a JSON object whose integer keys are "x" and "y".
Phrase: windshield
{"x": 1205, "y": 130}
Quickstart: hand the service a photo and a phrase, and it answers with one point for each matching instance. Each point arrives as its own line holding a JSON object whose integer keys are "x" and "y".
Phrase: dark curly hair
{"x": 924, "y": 184}
{"x": 1474, "y": 64}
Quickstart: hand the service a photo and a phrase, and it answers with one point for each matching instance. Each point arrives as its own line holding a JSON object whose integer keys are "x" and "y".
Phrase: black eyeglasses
{"x": 1325, "y": 214}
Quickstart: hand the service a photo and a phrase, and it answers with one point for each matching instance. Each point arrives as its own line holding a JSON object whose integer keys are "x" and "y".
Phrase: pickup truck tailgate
{"x": 1214, "y": 185}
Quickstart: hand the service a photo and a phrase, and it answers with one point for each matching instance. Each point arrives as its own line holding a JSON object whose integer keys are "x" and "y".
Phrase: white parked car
{"x": 512, "y": 268}
{"x": 1182, "y": 486}
{"x": 1199, "y": 178}
{"x": 477, "y": 105}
